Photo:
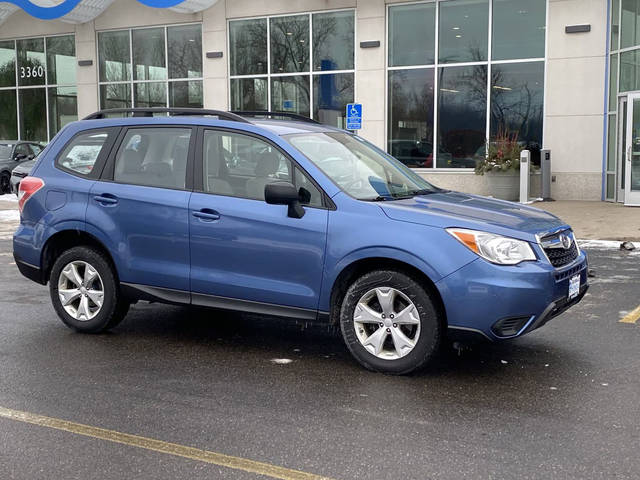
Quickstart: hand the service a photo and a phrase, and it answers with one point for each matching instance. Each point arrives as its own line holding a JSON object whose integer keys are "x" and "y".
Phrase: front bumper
{"x": 500, "y": 302}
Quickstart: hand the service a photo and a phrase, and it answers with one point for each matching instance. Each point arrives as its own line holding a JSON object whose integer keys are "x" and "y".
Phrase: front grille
{"x": 558, "y": 255}
{"x": 508, "y": 327}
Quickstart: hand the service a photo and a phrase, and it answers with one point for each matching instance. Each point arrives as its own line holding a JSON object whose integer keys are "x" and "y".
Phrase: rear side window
{"x": 155, "y": 157}
{"x": 82, "y": 152}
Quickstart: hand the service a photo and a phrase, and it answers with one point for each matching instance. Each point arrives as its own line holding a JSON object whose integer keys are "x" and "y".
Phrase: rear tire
{"x": 5, "y": 183}
{"x": 389, "y": 322}
{"x": 85, "y": 292}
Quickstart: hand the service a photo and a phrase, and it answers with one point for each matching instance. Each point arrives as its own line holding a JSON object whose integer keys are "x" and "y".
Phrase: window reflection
{"x": 249, "y": 94}
{"x": 630, "y": 71}
{"x": 61, "y": 60}
{"x": 31, "y": 62}
{"x": 8, "y": 119}
{"x": 7, "y": 64}
{"x": 115, "y": 95}
{"x": 464, "y": 31}
{"x": 462, "y": 107}
{"x": 331, "y": 93}
{"x": 518, "y": 29}
{"x": 152, "y": 94}
{"x": 289, "y": 44}
{"x": 185, "y": 51}
{"x": 148, "y": 54}
{"x": 33, "y": 123}
{"x": 630, "y": 23}
{"x": 63, "y": 107}
{"x": 412, "y": 34}
{"x": 248, "y": 47}
{"x": 333, "y": 35}
{"x": 517, "y": 101}
{"x": 114, "y": 56}
{"x": 411, "y": 116}
{"x": 186, "y": 94}
{"x": 290, "y": 94}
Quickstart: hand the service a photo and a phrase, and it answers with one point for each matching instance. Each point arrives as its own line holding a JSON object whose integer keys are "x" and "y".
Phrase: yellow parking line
{"x": 632, "y": 317}
{"x": 220, "y": 459}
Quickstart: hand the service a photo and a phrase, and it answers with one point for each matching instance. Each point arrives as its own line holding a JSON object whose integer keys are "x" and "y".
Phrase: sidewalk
{"x": 597, "y": 220}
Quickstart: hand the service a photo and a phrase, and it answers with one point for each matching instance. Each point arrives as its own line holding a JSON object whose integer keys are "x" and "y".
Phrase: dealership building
{"x": 438, "y": 80}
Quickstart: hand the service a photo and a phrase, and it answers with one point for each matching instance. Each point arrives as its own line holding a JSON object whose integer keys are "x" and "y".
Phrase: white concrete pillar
{"x": 214, "y": 39}
{"x": 370, "y": 69}
{"x": 87, "y": 76}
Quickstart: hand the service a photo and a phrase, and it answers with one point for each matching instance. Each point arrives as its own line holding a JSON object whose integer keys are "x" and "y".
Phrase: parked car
{"x": 326, "y": 228}
{"x": 18, "y": 173}
{"x": 12, "y": 153}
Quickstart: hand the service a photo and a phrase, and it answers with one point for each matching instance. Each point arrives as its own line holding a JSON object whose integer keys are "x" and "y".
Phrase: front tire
{"x": 84, "y": 291}
{"x": 389, "y": 322}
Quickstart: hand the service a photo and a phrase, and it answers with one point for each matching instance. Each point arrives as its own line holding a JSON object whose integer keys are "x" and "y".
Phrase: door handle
{"x": 207, "y": 215}
{"x": 106, "y": 199}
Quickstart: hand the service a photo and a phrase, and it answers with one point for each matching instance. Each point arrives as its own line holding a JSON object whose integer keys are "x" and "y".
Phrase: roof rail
{"x": 148, "y": 112}
{"x": 260, "y": 113}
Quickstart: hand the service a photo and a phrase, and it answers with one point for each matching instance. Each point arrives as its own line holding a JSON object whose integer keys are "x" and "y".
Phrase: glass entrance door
{"x": 631, "y": 161}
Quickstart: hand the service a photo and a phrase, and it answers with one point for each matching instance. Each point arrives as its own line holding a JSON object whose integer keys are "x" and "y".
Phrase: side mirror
{"x": 284, "y": 193}
{"x": 31, "y": 157}
{"x": 19, "y": 156}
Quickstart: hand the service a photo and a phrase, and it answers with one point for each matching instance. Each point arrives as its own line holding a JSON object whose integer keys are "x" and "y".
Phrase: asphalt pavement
{"x": 562, "y": 402}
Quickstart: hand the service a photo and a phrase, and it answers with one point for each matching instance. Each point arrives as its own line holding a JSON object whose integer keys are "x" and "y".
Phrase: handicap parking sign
{"x": 354, "y": 116}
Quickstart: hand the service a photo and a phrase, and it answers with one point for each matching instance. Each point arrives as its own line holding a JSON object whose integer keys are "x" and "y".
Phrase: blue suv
{"x": 277, "y": 215}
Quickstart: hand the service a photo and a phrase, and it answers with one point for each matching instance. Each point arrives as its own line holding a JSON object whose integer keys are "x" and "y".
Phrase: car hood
{"x": 25, "y": 167}
{"x": 454, "y": 209}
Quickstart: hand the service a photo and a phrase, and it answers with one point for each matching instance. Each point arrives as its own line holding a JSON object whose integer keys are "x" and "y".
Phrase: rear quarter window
{"x": 81, "y": 154}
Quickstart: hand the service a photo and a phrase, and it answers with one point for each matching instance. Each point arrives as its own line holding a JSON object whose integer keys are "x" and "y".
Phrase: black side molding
{"x": 30, "y": 271}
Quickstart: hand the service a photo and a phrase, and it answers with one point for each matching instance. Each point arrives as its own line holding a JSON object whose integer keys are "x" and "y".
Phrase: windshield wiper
{"x": 424, "y": 191}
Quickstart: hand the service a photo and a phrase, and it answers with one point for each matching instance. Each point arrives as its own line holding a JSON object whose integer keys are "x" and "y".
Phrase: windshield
{"x": 5, "y": 150}
{"x": 359, "y": 168}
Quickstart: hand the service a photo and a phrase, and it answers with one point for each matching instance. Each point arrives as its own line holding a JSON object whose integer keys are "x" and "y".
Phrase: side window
{"x": 309, "y": 193}
{"x": 81, "y": 153}
{"x": 36, "y": 149}
{"x": 155, "y": 157}
{"x": 241, "y": 165}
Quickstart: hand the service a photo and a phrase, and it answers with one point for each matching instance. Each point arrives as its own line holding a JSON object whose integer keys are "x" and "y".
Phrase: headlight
{"x": 495, "y": 248}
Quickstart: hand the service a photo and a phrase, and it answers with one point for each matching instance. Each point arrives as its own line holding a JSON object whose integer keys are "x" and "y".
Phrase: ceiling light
{"x": 449, "y": 90}
{"x": 498, "y": 87}
{"x": 455, "y": 28}
{"x": 289, "y": 33}
{"x": 458, "y": 36}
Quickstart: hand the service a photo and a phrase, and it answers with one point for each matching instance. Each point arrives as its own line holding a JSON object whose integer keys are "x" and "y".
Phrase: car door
{"x": 139, "y": 208}
{"x": 246, "y": 253}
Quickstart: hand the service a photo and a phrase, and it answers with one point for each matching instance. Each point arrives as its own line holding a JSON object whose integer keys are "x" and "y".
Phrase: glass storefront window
{"x": 31, "y": 62}
{"x": 7, "y": 64}
{"x": 630, "y": 71}
{"x": 260, "y": 83}
{"x": 33, "y": 123}
{"x": 249, "y": 94}
{"x": 248, "y": 47}
{"x": 185, "y": 94}
{"x": 615, "y": 24}
{"x": 161, "y": 77}
{"x": 518, "y": 29}
{"x": 63, "y": 107}
{"x": 44, "y": 98}
{"x": 114, "y": 56}
{"x": 185, "y": 51}
{"x": 333, "y": 41}
{"x": 331, "y": 93}
{"x": 8, "y": 115}
{"x": 464, "y": 31}
{"x": 61, "y": 60}
{"x": 613, "y": 83}
{"x": 411, "y": 116}
{"x": 148, "y": 54}
{"x": 412, "y": 34}
{"x": 630, "y": 23}
{"x": 289, "y": 44}
{"x": 462, "y": 110}
{"x": 517, "y": 102}
{"x": 290, "y": 94}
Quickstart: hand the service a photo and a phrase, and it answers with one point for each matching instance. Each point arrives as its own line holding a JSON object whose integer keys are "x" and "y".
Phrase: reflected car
{"x": 345, "y": 235}
{"x": 13, "y": 153}
{"x": 413, "y": 153}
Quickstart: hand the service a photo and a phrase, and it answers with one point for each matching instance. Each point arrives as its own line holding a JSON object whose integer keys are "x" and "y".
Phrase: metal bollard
{"x": 525, "y": 162}
{"x": 545, "y": 167}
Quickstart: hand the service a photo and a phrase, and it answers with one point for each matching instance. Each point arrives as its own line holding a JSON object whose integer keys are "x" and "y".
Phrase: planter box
{"x": 504, "y": 185}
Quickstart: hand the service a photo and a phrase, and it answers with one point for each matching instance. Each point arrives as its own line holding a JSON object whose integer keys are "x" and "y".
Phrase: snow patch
{"x": 9, "y": 216}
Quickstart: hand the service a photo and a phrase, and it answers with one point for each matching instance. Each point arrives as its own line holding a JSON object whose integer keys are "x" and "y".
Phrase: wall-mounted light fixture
{"x": 577, "y": 28}
{"x": 370, "y": 44}
{"x": 85, "y": 63}
{"x": 214, "y": 54}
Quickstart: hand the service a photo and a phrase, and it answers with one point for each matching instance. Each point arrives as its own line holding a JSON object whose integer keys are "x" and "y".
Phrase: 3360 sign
{"x": 32, "y": 72}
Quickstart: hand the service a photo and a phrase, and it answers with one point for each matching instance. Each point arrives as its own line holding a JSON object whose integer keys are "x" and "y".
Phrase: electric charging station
{"x": 525, "y": 164}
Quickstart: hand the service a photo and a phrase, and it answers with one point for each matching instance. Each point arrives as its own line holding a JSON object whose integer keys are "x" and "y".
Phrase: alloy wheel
{"x": 387, "y": 323}
{"x": 81, "y": 290}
